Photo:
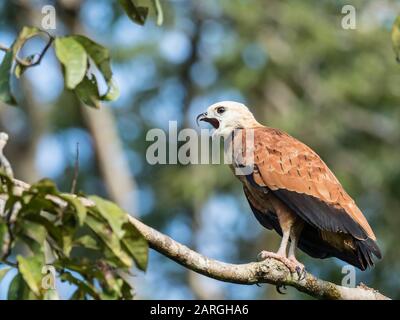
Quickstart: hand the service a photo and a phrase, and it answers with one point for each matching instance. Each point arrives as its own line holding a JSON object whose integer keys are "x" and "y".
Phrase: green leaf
{"x": 135, "y": 13}
{"x": 5, "y": 78}
{"x": 80, "y": 209}
{"x": 112, "y": 284}
{"x": 82, "y": 285}
{"x": 3, "y": 273}
{"x": 19, "y": 289}
{"x": 113, "y": 214}
{"x": 112, "y": 93}
{"x": 34, "y": 202}
{"x": 88, "y": 92}
{"x": 105, "y": 233}
{"x": 53, "y": 231}
{"x": 136, "y": 245}
{"x": 127, "y": 291}
{"x": 31, "y": 270}
{"x": 99, "y": 54}
{"x": 88, "y": 242}
{"x": 79, "y": 294}
{"x": 67, "y": 239}
{"x": 44, "y": 187}
{"x": 101, "y": 57}
{"x": 34, "y": 231}
{"x": 74, "y": 59}
{"x": 4, "y": 238}
{"x": 34, "y": 247}
{"x": 6, "y": 67}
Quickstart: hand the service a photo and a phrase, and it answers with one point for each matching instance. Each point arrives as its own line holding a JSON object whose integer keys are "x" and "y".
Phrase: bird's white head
{"x": 226, "y": 116}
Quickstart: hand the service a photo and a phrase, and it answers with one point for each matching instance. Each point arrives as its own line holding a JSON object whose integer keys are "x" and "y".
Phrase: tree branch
{"x": 269, "y": 271}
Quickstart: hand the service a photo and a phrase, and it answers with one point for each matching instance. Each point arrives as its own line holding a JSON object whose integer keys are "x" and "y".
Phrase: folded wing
{"x": 300, "y": 179}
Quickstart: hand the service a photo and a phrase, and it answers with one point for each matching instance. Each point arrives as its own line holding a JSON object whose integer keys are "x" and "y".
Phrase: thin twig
{"x": 27, "y": 63}
{"x": 76, "y": 170}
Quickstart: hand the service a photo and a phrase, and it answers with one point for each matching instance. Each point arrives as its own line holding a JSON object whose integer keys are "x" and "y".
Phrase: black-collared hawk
{"x": 291, "y": 190}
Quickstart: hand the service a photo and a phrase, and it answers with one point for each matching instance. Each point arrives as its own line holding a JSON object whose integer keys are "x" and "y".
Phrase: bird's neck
{"x": 247, "y": 123}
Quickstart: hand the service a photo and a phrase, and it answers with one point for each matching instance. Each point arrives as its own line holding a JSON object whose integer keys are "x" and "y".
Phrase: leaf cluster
{"x": 92, "y": 247}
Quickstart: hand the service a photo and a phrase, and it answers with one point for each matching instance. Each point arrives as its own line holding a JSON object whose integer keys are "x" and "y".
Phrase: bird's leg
{"x": 281, "y": 253}
{"x": 295, "y": 232}
{"x": 291, "y": 228}
{"x": 284, "y": 243}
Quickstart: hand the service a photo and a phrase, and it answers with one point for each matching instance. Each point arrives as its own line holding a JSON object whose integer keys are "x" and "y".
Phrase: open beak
{"x": 203, "y": 117}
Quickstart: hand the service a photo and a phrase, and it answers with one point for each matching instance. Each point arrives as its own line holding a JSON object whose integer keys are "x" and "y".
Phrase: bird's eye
{"x": 220, "y": 110}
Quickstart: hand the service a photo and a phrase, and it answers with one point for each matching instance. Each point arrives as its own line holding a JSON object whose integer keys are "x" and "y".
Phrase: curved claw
{"x": 291, "y": 263}
{"x": 301, "y": 273}
{"x": 304, "y": 274}
{"x": 278, "y": 288}
{"x": 260, "y": 257}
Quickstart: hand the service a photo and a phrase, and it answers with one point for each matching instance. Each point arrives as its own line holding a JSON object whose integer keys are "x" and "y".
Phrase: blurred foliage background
{"x": 291, "y": 62}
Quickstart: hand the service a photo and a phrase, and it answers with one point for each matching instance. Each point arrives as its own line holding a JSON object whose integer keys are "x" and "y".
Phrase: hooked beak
{"x": 203, "y": 117}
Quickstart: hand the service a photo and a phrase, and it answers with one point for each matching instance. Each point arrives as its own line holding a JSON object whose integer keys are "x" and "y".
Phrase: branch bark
{"x": 270, "y": 271}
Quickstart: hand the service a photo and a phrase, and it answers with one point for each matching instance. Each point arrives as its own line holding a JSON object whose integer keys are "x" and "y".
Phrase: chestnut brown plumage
{"x": 292, "y": 191}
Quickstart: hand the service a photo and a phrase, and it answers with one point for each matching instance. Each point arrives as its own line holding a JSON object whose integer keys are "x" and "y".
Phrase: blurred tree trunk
{"x": 195, "y": 280}
{"x": 113, "y": 163}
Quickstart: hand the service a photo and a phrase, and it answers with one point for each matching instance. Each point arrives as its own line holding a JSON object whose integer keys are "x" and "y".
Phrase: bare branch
{"x": 268, "y": 271}
{"x": 76, "y": 170}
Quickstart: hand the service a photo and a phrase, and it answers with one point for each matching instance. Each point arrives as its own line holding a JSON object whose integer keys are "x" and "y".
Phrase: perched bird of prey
{"x": 291, "y": 190}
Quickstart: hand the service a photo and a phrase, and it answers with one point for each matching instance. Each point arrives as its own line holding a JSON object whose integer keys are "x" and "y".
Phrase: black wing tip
{"x": 366, "y": 250}
{"x": 374, "y": 248}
